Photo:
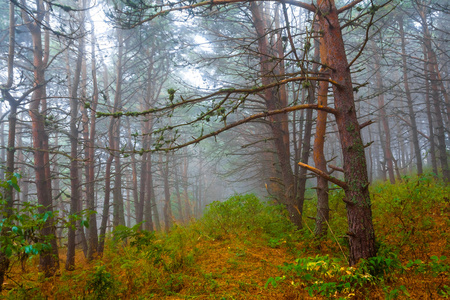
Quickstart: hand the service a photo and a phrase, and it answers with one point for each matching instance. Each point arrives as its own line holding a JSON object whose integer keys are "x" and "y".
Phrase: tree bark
{"x": 74, "y": 180}
{"x": 274, "y": 100}
{"x": 323, "y": 210}
{"x": 433, "y": 78}
{"x": 48, "y": 260}
{"x": 412, "y": 116}
{"x": 90, "y": 144}
{"x": 118, "y": 208}
{"x": 388, "y": 156}
{"x": 361, "y": 234}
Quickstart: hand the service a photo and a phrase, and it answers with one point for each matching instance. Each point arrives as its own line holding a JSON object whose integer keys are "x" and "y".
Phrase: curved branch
{"x": 226, "y": 92}
{"x": 348, "y": 6}
{"x": 235, "y": 124}
{"x": 334, "y": 180}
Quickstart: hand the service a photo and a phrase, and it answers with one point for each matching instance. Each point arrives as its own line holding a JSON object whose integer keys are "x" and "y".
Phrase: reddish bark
{"x": 48, "y": 260}
{"x": 360, "y": 234}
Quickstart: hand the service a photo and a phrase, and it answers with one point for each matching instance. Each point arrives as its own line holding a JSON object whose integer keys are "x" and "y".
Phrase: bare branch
{"x": 336, "y": 168}
{"x": 334, "y": 180}
{"x": 348, "y": 6}
{"x": 240, "y": 122}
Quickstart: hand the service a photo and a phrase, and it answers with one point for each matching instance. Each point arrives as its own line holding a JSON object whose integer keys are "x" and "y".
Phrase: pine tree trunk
{"x": 412, "y": 116}
{"x": 361, "y": 234}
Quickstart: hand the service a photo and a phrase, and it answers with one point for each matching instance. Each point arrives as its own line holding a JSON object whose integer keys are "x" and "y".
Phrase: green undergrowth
{"x": 244, "y": 247}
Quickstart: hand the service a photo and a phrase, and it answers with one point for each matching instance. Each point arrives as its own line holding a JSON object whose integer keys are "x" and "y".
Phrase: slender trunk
{"x": 433, "y": 78}
{"x": 412, "y": 116}
{"x": 90, "y": 144}
{"x": 144, "y": 196}
{"x": 106, "y": 203}
{"x": 167, "y": 205}
{"x": 388, "y": 156}
{"x": 430, "y": 117}
{"x": 151, "y": 210}
{"x": 118, "y": 209}
{"x": 134, "y": 182}
{"x": 306, "y": 150}
{"x": 320, "y": 162}
{"x": 74, "y": 180}
{"x": 105, "y": 215}
{"x": 178, "y": 192}
{"x": 48, "y": 260}
{"x": 185, "y": 188}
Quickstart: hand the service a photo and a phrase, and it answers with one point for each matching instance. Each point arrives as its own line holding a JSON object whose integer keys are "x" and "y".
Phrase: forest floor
{"x": 244, "y": 249}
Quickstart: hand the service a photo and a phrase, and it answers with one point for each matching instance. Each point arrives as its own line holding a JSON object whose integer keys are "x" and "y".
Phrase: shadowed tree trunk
{"x": 274, "y": 100}
{"x": 433, "y": 78}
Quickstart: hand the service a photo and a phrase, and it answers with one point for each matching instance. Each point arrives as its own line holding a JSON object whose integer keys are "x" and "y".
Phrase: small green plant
{"x": 100, "y": 284}
{"x": 324, "y": 276}
{"x": 435, "y": 267}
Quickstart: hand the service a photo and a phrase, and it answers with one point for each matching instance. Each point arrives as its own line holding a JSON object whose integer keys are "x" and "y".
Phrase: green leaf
{"x": 14, "y": 185}
{"x": 15, "y": 229}
{"x": 8, "y": 251}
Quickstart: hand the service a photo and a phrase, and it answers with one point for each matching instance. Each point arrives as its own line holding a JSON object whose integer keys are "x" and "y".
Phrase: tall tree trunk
{"x": 432, "y": 151}
{"x": 388, "y": 156}
{"x": 361, "y": 234}
{"x": 90, "y": 144}
{"x": 278, "y": 123}
{"x": 433, "y": 78}
{"x": 48, "y": 260}
{"x": 74, "y": 180}
{"x": 320, "y": 162}
{"x": 412, "y": 116}
{"x": 118, "y": 209}
{"x": 12, "y": 121}
{"x": 105, "y": 215}
{"x": 109, "y": 161}
{"x": 305, "y": 150}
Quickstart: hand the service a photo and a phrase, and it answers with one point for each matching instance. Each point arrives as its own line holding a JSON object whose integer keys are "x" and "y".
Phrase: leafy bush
{"x": 246, "y": 214}
{"x": 100, "y": 283}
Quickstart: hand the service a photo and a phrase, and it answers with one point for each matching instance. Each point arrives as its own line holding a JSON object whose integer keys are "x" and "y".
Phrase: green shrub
{"x": 246, "y": 214}
{"x": 100, "y": 284}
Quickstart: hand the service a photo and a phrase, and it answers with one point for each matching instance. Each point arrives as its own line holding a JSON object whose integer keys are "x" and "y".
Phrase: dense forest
{"x": 225, "y": 149}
